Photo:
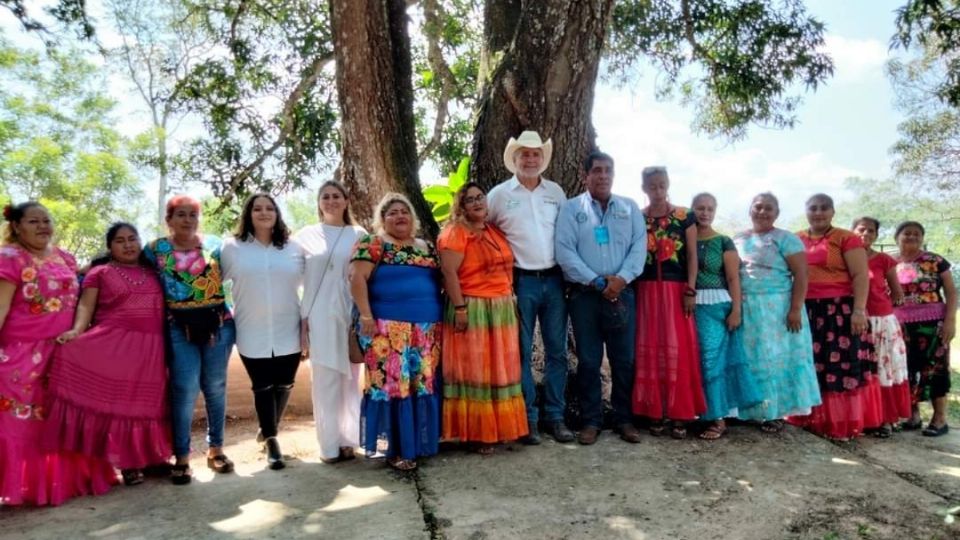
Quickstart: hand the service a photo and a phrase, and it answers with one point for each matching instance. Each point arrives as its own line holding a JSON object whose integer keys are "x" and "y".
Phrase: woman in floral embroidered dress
{"x": 395, "y": 281}
{"x": 201, "y": 331}
{"x": 928, "y": 315}
{"x": 667, "y": 384}
{"x": 38, "y": 296}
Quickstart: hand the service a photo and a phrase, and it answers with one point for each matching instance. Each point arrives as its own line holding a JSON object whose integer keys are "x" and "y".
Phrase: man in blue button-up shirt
{"x": 601, "y": 247}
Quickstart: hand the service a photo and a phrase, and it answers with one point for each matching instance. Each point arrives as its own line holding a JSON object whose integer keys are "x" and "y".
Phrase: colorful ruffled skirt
{"x": 482, "y": 396}
{"x": 846, "y": 373}
{"x": 400, "y": 412}
{"x": 667, "y": 382}
{"x": 780, "y": 361}
{"x": 890, "y": 353}
{"x": 727, "y": 381}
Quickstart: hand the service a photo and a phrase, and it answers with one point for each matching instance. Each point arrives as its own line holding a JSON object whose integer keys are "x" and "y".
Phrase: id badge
{"x": 602, "y": 235}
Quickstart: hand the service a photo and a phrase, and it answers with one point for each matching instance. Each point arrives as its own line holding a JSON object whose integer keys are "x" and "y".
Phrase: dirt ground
{"x": 745, "y": 486}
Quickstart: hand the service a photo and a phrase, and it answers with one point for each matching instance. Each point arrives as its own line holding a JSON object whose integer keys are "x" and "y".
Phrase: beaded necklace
{"x": 128, "y": 279}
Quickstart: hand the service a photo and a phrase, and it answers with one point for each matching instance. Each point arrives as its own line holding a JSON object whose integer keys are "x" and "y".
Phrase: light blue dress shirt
{"x": 585, "y": 250}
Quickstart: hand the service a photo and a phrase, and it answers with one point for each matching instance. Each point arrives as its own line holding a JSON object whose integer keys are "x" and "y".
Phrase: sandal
{"x": 884, "y": 432}
{"x": 657, "y": 429}
{"x": 714, "y": 432}
{"x": 132, "y": 477}
{"x": 933, "y": 431}
{"x": 401, "y": 464}
{"x": 772, "y": 426}
{"x": 220, "y": 464}
{"x": 678, "y": 431}
{"x": 484, "y": 449}
{"x": 347, "y": 453}
{"x": 181, "y": 474}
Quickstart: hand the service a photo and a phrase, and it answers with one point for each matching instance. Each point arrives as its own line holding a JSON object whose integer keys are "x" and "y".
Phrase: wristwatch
{"x": 600, "y": 283}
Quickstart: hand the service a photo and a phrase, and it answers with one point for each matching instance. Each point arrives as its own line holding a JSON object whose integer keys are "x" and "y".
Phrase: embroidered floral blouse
{"x": 191, "y": 278}
{"x": 46, "y": 297}
{"x": 921, "y": 283}
{"x": 666, "y": 246}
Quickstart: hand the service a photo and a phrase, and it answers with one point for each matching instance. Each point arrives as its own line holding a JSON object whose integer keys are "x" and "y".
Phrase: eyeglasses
{"x": 475, "y": 199}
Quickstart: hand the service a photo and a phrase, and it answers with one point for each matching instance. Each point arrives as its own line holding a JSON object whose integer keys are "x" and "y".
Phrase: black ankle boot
{"x": 274, "y": 455}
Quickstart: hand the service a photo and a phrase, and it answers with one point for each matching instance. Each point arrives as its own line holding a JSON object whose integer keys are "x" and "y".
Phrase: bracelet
{"x": 690, "y": 292}
{"x": 365, "y": 318}
{"x": 859, "y": 311}
{"x": 461, "y": 307}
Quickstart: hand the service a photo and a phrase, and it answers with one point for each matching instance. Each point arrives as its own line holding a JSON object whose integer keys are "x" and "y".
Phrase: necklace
{"x": 128, "y": 279}
{"x": 822, "y": 239}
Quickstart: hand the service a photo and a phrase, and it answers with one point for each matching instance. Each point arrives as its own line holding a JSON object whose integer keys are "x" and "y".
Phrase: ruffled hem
{"x": 50, "y": 479}
{"x": 843, "y": 415}
{"x": 895, "y": 402}
{"x": 484, "y": 421}
{"x": 127, "y": 443}
{"x": 408, "y": 428}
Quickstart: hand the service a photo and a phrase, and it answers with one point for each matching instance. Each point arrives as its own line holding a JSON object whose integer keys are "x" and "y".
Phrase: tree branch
{"x": 448, "y": 82}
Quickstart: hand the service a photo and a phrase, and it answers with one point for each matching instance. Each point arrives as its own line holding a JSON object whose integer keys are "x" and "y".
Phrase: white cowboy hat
{"x": 527, "y": 139}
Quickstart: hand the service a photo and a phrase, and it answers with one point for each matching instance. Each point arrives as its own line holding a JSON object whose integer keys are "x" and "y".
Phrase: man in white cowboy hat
{"x": 525, "y": 208}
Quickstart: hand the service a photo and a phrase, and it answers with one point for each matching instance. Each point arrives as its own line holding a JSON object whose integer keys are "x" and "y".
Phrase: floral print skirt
{"x": 400, "y": 413}
{"x": 846, "y": 371}
{"x": 928, "y": 360}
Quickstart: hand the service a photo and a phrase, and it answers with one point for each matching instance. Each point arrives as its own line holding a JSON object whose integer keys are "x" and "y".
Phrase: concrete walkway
{"x": 746, "y": 486}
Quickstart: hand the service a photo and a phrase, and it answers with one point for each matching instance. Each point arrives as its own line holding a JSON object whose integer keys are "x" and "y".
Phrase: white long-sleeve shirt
{"x": 266, "y": 305}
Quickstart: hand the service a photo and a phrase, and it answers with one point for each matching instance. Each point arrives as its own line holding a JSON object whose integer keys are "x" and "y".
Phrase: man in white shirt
{"x": 525, "y": 208}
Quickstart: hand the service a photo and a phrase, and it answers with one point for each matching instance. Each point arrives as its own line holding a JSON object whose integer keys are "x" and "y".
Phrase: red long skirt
{"x": 667, "y": 382}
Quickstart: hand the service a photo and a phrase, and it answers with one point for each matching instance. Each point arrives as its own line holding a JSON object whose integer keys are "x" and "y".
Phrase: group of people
{"x": 410, "y": 343}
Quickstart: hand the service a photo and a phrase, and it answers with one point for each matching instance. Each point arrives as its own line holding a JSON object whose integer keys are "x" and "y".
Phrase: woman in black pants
{"x": 266, "y": 269}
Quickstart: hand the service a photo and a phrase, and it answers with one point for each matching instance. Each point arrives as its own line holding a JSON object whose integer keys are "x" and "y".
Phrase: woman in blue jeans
{"x": 201, "y": 331}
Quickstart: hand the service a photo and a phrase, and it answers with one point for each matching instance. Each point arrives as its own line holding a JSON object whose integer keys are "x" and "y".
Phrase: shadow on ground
{"x": 745, "y": 486}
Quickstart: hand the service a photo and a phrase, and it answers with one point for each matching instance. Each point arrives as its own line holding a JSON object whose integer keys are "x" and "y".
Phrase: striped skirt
{"x": 482, "y": 397}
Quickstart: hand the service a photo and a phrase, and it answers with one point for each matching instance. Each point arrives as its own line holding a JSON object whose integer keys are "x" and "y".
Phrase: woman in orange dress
{"x": 482, "y": 397}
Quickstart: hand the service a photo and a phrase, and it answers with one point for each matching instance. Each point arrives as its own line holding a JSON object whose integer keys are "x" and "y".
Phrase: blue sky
{"x": 845, "y": 128}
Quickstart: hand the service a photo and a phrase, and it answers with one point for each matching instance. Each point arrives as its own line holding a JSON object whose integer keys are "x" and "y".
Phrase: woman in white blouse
{"x": 325, "y": 317}
{"x": 266, "y": 269}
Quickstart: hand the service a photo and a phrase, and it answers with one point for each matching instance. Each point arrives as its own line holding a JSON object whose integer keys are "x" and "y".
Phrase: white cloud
{"x": 856, "y": 59}
{"x": 639, "y": 132}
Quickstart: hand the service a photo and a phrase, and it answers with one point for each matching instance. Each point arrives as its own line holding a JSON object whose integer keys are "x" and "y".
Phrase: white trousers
{"x": 336, "y": 408}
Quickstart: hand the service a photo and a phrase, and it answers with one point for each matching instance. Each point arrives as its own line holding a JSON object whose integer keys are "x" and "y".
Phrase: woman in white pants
{"x": 325, "y": 313}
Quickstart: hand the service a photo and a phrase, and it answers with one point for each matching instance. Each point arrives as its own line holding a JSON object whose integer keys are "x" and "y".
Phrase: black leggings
{"x": 272, "y": 380}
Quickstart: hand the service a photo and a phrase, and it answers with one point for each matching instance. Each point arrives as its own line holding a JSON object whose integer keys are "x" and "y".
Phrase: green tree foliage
{"x": 266, "y": 96}
{"x": 735, "y": 62}
{"x": 928, "y": 152}
{"x": 933, "y": 26}
{"x": 59, "y": 145}
{"x": 69, "y": 14}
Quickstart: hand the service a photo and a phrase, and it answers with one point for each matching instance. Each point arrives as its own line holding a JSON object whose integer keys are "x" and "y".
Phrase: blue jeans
{"x": 542, "y": 298}
{"x": 194, "y": 368}
{"x": 591, "y": 337}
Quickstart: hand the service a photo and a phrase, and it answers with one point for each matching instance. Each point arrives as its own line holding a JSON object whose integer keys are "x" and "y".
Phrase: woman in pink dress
{"x": 38, "y": 295}
{"x": 108, "y": 382}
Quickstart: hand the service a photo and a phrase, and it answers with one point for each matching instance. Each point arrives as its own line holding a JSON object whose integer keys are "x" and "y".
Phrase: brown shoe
{"x": 629, "y": 433}
{"x": 588, "y": 435}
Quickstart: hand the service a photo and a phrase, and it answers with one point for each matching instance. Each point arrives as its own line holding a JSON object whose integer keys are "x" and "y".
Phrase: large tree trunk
{"x": 375, "y": 94}
{"x": 544, "y": 82}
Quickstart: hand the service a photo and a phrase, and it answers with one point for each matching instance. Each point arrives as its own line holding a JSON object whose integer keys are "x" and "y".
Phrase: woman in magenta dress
{"x": 38, "y": 295}
{"x": 108, "y": 382}
{"x": 667, "y": 385}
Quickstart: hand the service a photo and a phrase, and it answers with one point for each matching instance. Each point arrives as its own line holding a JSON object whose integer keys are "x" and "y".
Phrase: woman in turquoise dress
{"x": 727, "y": 382}
{"x": 776, "y": 332}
